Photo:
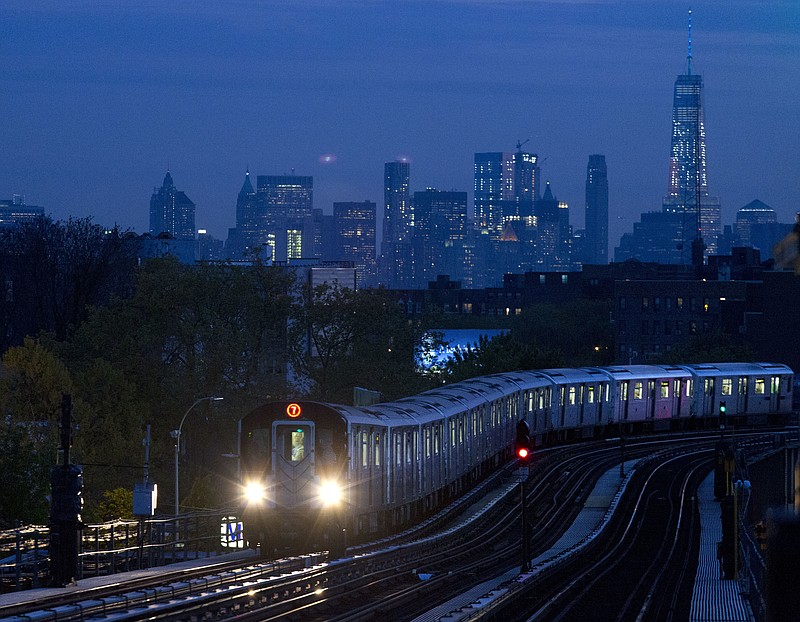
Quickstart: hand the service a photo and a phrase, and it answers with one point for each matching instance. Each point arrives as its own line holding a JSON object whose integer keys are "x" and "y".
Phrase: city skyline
{"x": 105, "y": 99}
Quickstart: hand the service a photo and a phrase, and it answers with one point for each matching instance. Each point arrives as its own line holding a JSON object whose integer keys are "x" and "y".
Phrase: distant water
{"x": 456, "y": 339}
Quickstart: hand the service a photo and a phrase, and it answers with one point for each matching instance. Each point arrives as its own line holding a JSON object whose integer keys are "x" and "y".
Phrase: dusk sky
{"x": 99, "y": 98}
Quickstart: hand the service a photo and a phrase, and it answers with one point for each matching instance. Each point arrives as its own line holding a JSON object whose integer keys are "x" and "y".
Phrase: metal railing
{"x": 118, "y": 546}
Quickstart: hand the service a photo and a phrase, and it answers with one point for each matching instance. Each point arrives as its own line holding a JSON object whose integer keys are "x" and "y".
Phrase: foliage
{"x": 116, "y": 504}
{"x": 207, "y": 493}
{"x": 60, "y": 268}
{"x": 499, "y": 354}
{"x": 341, "y": 339}
{"x": 26, "y": 459}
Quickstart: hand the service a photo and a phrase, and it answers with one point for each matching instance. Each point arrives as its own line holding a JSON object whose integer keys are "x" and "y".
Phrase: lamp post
{"x": 176, "y": 434}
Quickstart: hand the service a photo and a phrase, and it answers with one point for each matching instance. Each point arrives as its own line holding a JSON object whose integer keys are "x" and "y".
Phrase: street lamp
{"x": 176, "y": 434}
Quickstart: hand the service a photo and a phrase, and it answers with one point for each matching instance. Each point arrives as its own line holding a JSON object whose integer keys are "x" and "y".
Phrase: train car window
{"x": 708, "y": 386}
{"x": 727, "y": 386}
{"x": 637, "y": 391}
{"x": 606, "y": 388}
{"x": 561, "y": 396}
{"x": 461, "y": 429}
{"x": 427, "y": 442}
{"x": 398, "y": 449}
{"x": 760, "y": 386}
{"x": 377, "y": 450}
{"x": 436, "y": 440}
{"x": 665, "y": 388}
{"x": 572, "y": 396}
{"x": 325, "y": 454}
{"x": 530, "y": 401}
{"x": 775, "y": 385}
{"x": 742, "y": 386}
{"x": 590, "y": 394}
{"x": 580, "y": 399}
{"x": 364, "y": 450}
{"x": 452, "y": 432}
{"x": 689, "y": 384}
{"x": 623, "y": 391}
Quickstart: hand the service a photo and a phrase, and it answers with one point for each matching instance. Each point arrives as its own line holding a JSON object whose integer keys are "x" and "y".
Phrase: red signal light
{"x": 522, "y": 452}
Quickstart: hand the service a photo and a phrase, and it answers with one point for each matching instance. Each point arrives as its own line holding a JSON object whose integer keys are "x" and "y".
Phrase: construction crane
{"x": 520, "y": 144}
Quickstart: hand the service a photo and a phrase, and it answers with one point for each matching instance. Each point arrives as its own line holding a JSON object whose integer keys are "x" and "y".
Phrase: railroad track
{"x": 406, "y": 574}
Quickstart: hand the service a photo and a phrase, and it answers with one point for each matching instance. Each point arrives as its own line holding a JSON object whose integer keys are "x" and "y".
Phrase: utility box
{"x": 145, "y": 497}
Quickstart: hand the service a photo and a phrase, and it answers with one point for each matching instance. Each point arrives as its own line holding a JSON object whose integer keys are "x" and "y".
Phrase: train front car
{"x": 293, "y": 472}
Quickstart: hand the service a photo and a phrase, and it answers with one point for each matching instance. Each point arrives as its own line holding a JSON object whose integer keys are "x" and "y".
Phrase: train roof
{"x": 582, "y": 374}
{"x": 732, "y": 369}
{"x": 621, "y": 372}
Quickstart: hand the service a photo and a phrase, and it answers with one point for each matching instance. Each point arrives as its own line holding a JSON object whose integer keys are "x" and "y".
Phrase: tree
{"x": 500, "y": 354}
{"x": 341, "y": 339}
{"x": 56, "y": 270}
{"x": 32, "y": 382}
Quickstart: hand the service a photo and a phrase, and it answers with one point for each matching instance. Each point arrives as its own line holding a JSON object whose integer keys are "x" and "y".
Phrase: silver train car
{"x": 314, "y": 474}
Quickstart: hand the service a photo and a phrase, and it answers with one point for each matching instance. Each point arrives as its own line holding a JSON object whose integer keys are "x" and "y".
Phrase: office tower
{"x": 751, "y": 215}
{"x": 171, "y": 211}
{"x": 688, "y": 180}
{"x": 355, "y": 235}
{"x": 596, "y": 236}
{"x": 506, "y": 186}
{"x": 398, "y": 222}
{"x": 440, "y": 226}
{"x": 554, "y": 234}
{"x": 14, "y": 211}
{"x": 397, "y": 215}
{"x": 245, "y": 241}
{"x": 285, "y": 207}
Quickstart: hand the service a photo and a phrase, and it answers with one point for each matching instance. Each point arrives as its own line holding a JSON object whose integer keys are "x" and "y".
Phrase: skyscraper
{"x": 506, "y": 186}
{"x": 398, "y": 221}
{"x": 171, "y": 211}
{"x": 596, "y": 244}
{"x": 440, "y": 220}
{"x": 688, "y": 181}
{"x": 286, "y": 206}
{"x": 397, "y": 216}
{"x": 355, "y": 236}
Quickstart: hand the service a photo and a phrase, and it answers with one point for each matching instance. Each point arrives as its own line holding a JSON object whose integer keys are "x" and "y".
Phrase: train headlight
{"x": 330, "y": 493}
{"x": 255, "y": 492}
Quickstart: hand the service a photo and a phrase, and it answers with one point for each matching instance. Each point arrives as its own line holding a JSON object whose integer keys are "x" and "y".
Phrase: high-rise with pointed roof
{"x": 171, "y": 211}
{"x": 688, "y": 181}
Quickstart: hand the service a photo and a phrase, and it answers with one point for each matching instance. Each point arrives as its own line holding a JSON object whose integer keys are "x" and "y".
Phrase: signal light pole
{"x": 522, "y": 449}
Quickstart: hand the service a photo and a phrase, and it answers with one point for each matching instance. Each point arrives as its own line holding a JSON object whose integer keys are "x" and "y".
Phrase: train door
{"x": 623, "y": 396}
{"x": 651, "y": 396}
{"x": 708, "y": 397}
{"x": 743, "y": 395}
{"x": 293, "y": 462}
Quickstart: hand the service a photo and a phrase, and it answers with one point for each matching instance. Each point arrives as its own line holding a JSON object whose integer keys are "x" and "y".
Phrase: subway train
{"x": 316, "y": 474}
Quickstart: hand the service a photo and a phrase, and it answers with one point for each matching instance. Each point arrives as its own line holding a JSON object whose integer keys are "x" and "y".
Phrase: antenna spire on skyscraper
{"x": 689, "y": 55}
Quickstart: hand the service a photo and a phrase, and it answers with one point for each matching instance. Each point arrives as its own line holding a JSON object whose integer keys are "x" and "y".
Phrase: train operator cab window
{"x": 294, "y": 443}
{"x": 637, "y": 391}
{"x": 760, "y": 386}
{"x": 727, "y": 386}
